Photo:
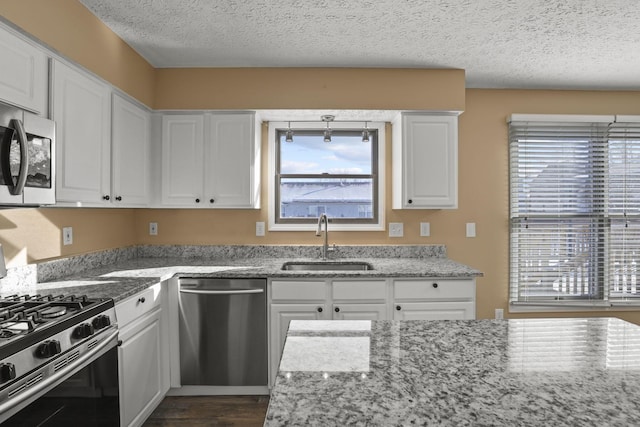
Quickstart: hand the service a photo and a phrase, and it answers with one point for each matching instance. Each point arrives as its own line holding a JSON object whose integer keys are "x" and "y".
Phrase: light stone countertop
{"x": 526, "y": 372}
{"x": 121, "y": 278}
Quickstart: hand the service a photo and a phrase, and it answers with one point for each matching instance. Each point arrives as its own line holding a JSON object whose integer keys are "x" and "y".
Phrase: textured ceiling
{"x": 499, "y": 43}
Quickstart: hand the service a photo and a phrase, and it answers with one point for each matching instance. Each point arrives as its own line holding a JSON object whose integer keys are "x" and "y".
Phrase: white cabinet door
{"x": 141, "y": 370}
{"x": 460, "y": 310}
{"x": 232, "y": 166}
{"x": 281, "y": 315}
{"x": 360, "y": 311}
{"x": 24, "y": 75}
{"x": 425, "y": 162}
{"x": 81, "y": 109}
{"x": 129, "y": 153}
{"x": 182, "y": 160}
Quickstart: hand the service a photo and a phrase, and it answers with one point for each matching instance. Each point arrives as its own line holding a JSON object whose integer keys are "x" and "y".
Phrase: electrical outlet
{"x": 259, "y": 228}
{"x": 425, "y": 229}
{"x": 67, "y": 236}
{"x": 153, "y": 228}
{"x": 471, "y": 229}
{"x": 396, "y": 229}
{"x": 499, "y": 313}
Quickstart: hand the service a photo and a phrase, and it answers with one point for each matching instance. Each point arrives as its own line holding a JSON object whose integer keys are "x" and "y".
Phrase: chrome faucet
{"x": 325, "y": 246}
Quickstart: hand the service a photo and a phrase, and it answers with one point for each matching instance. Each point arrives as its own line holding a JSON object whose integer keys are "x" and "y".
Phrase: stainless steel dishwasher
{"x": 223, "y": 332}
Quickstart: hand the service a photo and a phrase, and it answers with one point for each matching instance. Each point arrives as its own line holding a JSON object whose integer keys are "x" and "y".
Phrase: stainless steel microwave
{"x": 27, "y": 164}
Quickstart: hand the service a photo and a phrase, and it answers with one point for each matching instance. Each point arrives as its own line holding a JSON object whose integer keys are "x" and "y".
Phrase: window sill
{"x": 573, "y": 307}
{"x": 332, "y": 227}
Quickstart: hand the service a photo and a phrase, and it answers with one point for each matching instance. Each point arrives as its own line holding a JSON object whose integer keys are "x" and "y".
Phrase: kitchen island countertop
{"x": 526, "y": 372}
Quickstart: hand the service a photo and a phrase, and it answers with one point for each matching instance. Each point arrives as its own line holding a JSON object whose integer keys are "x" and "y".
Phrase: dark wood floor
{"x": 201, "y": 411}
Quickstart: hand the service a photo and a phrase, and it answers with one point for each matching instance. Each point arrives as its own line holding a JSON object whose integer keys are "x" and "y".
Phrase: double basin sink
{"x": 327, "y": 266}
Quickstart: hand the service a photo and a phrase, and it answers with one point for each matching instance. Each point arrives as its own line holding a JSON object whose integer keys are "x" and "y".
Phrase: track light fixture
{"x": 289, "y": 134}
{"x": 327, "y": 133}
{"x": 365, "y": 133}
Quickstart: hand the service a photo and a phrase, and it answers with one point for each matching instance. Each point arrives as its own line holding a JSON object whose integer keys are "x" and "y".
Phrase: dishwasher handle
{"x": 221, "y": 292}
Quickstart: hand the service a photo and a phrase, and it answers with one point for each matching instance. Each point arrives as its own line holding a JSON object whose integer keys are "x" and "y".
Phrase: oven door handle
{"x": 24, "y": 398}
{"x": 15, "y": 188}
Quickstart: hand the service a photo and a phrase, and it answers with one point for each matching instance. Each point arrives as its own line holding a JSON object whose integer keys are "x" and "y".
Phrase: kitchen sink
{"x": 327, "y": 265}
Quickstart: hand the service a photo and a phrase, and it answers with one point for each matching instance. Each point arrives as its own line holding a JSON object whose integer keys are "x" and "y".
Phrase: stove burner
{"x": 53, "y": 312}
{"x": 6, "y": 333}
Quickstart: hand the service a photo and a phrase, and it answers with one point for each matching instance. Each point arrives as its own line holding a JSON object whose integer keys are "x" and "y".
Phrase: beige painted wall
{"x": 34, "y": 234}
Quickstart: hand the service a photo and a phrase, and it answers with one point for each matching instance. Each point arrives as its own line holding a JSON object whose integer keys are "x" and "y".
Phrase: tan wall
{"x": 310, "y": 88}
{"x": 69, "y": 28}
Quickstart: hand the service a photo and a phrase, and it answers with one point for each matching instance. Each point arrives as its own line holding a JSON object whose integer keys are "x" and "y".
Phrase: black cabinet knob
{"x": 435, "y": 285}
{"x": 141, "y": 300}
{"x": 398, "y": 308}
{"x": 197, "y": 200}
{"x": 106, "y": 197}
{"x": 119, "y": 198}
{"x": 7, "y": 372}
{"x": 337, "y": 309}
{"x": 410, "y": 201}
{"x": 320, "y": 309}
{"x": 212, "y": 200}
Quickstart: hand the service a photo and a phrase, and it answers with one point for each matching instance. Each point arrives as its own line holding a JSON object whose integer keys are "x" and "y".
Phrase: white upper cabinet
{"x": 130, "y": 143}
{"x": 232, "y": 161}
{"x": 211, "y": 160}
{"x": 425, "y": 161}
{"x": 24, "y": 75}
{"x": 182, "y": 160}
{"x": 81, "y": 109}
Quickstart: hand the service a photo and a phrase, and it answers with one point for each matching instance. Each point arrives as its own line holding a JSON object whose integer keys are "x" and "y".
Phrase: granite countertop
{"x": 528, "y": 372}
{"x": 123, "y": 278}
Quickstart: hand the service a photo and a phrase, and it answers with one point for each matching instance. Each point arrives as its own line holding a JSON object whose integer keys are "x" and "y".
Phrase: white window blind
{"x": 574, "y": 211}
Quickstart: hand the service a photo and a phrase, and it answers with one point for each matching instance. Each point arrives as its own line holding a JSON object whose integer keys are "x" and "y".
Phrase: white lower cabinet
{"x": 143, "y": 367}
{"x": 434, "y": 299}
{"x": 360, "y": 311}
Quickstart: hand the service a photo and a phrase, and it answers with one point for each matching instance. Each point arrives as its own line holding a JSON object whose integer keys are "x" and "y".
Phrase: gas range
{"x": 44, "y": 339}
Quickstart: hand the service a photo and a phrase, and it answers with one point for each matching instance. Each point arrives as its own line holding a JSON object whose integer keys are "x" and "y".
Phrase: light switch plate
{"x": 425, "y": 229}
{"x": 259, "y": 228}
{"x": 67, "y": 236}
{"x": 471, "y": 229}
{"x": 396, "y": 229}
{"x": 153, "y": 228}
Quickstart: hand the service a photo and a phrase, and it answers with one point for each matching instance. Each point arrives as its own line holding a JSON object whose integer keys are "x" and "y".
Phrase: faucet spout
{"x": 325, "y": 246}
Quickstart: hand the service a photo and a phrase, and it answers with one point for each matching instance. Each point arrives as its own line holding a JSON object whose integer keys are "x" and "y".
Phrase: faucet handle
{"x": 332, "y": 248}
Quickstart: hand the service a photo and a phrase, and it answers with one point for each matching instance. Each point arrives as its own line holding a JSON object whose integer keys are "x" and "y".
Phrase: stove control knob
{"x": 101, "y": 321}
{"x": 48, "y": 349}
{"x": 7, "y": 372}
{"x": 83, "y": 331}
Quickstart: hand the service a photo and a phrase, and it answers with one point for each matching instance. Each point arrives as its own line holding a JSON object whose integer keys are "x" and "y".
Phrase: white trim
{"x": 271, "y": 139}
{"x": 627, "y": 119}
{"x": 560, "y": 118}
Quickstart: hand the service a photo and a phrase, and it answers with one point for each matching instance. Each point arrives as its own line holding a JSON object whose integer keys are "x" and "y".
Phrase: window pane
{"x": 338, "y": 198}
{"x": 309, "y": 154}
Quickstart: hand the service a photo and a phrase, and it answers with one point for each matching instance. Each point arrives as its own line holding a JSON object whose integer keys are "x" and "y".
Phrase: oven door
{"x": 87, "y": 395}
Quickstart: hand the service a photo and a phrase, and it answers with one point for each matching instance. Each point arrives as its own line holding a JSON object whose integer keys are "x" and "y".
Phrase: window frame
{"x": 309, "y": 225}
{"x": 606, "y": 300}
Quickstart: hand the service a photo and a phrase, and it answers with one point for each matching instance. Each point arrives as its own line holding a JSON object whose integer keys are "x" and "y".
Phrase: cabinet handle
{"x": 435, "y": 285}
{"x": 211, "y": 200}
{"x": 106, "y": 197}
{"x": 119, "y": 198}
{"x": 337, "y": 309}
{"x": 398, "y": 308}
{"x": 319, "y": 309}
{"x": 141, "y": 300}
{"x": 410, "y": 201}
{"x": 197, "y": 200}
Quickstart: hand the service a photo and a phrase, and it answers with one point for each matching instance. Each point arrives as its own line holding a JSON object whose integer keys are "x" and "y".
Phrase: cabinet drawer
{"x": 435, "y": 289}
{"x": 298, "y": 290}
{"x": 137, "y": 305}
{"x": 359, "y": 290}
